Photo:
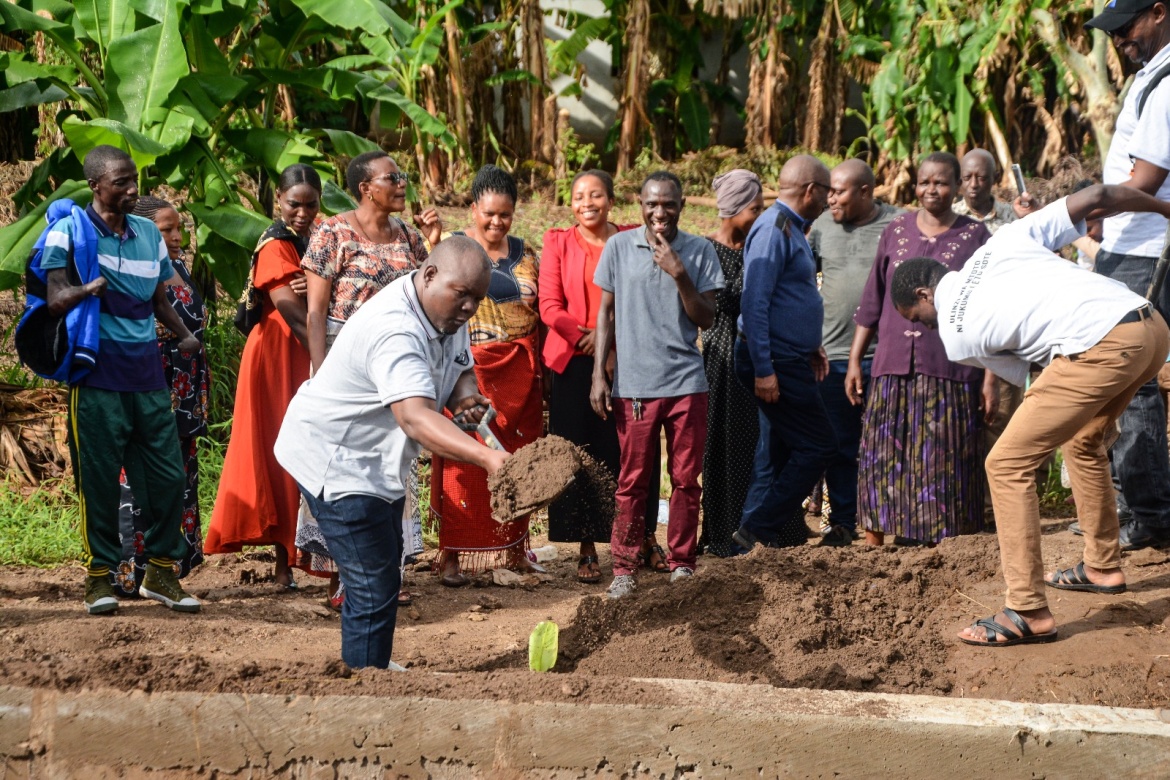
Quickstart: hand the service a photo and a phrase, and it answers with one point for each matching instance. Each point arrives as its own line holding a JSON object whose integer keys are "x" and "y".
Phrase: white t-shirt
{"x": 339, "y": 436}
{"x": 1016, "y": 302}
{"x": 1147, "y": 138}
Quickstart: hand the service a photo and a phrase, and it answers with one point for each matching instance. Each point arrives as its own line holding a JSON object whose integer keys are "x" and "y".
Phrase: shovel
{"x": 482, "y": 428}
{"x": 489, "y": 439}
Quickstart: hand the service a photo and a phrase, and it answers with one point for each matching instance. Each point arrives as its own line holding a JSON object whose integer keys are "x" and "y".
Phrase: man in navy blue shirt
{"x": 778, "y": 357}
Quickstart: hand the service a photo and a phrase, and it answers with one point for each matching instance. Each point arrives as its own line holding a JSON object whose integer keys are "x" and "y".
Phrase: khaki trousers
{"x": 1075, "y": 400}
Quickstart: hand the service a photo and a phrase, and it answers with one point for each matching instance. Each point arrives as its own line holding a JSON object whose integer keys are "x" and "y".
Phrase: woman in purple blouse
{"x": 920, "y": 465}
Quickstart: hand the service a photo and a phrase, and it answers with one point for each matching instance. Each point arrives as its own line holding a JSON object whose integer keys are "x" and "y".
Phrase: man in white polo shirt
{"x": 352, "y": 431}
{"x": 1139, "y": 157}
{"x": 1015, "y": 304}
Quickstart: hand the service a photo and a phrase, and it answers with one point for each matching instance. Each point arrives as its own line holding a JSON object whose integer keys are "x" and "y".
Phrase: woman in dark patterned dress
{"x": 920, "y": 464}
{"x": 187, "y": 376}
{"x": 732, "y": 426}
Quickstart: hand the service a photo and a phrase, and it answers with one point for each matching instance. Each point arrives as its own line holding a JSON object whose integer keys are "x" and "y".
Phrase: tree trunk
{"x": 820, "y": 67}
{"x": 536, "y": 63}
{"x": 1092, "y": 73}
{"x": 766, "y": 79}
{"x": 634, "y": 82}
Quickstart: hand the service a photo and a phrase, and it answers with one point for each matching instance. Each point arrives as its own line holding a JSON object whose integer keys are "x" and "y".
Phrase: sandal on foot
{"x": 662, "y": 567}
{"x": 405, "y": 599}
{"x": 588, "y": 560}
{"x": 1076, "y": 579}
{"x": 993, "y": 630}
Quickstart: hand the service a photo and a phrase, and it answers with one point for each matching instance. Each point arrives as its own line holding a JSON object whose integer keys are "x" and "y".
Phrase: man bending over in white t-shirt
{"x": 1015, "y": 304}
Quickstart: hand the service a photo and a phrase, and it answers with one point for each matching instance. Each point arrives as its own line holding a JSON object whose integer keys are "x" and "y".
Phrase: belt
{"x": 1137, "y": 315}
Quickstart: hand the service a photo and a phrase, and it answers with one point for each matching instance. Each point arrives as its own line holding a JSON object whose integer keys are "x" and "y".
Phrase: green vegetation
{"x": 38, "y": 527}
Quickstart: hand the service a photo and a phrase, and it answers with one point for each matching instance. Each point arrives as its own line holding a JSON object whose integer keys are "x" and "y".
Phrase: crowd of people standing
{"x": 800, "y": 341}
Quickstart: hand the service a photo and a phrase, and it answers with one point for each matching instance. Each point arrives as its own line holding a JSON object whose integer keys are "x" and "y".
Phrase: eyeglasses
{"x": 815, "y": 184}
{"x": 393, "y": 178}
{"x": 1124, "y": 30}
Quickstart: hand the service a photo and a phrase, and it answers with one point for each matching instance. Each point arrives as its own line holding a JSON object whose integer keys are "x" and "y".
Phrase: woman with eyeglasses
{"x": 350, "y": 258}
{"x": 920, "y": 467}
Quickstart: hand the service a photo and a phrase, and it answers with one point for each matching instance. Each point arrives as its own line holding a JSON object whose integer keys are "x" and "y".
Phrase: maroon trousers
{"x": 684, "y": 418}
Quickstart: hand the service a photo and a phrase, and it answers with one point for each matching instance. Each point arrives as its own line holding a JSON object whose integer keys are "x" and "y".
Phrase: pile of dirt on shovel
{"x": 803, "y": 617}
{"x": 533, "y": 476}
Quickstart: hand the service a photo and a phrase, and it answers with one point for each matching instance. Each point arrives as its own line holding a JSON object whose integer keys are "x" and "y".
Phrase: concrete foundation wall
{"x": 713, "y": 730}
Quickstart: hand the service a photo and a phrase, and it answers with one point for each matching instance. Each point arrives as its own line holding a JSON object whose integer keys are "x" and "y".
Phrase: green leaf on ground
{"x": 542, "y": 646}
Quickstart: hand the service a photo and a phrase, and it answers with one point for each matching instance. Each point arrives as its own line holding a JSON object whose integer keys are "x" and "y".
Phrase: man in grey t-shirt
{"x": 844, "y": 241}
{"x": 352, "y": 431}
{"x": 658, "y": 288}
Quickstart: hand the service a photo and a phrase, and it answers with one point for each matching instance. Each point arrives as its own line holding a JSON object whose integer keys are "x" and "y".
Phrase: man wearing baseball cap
{"x": 1139, "y": 157}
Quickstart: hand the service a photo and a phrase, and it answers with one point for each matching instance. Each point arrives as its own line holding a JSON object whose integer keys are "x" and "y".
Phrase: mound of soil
{"x": 533, "y": 476}
{"x": 798, "y": 617}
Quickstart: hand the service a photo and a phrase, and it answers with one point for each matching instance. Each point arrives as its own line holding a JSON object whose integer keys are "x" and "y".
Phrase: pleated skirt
{"x": 920, "y": 464}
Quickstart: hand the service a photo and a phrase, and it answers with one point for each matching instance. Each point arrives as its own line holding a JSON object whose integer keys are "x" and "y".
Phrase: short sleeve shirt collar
{"x": 104, "y": 230}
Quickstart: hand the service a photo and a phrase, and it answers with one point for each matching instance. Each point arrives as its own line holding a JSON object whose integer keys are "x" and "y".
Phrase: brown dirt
{"x": 533, "y": 476}
{"x": 854, "y": 619}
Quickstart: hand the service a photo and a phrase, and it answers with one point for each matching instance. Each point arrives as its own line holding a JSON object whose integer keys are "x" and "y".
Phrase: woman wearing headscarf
{"x": 257, "y": 501}
{"x": 187, "y": 376}
{"x": 732, "y": 426}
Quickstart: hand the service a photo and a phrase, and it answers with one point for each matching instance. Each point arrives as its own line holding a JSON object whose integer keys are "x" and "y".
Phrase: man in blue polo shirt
{"x": 120, "y": 413}
{"x": 778, "y": 357}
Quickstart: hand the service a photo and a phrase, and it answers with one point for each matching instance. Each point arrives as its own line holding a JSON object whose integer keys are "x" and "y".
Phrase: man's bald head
{"x": 851, "y": 193}
{"x": 452, "y": 282}
{"x": 976, "y": 177}
{"x": 804, "y": 185}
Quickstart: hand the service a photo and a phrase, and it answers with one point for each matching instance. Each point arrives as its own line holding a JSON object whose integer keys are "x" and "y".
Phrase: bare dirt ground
{"x": 855, "y": 619}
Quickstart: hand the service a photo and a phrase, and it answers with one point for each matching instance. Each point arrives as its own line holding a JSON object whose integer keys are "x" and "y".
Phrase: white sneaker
{"x": 622, "y": 585}
{"x": 393, "y": 667}
{"x": 681, "y": 573}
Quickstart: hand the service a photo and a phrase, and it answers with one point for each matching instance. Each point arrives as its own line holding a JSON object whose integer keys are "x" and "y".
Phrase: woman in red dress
{"x": 257, "y": 501}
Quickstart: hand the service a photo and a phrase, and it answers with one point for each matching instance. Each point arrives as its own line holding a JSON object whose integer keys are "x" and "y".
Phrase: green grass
{"x": 39, "y": 527}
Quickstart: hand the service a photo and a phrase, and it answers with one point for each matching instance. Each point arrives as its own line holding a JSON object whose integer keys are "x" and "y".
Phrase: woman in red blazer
{"x": 569, "y": 301}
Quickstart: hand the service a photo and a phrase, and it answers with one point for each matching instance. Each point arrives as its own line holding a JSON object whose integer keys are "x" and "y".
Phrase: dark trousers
{"x": 845, "y": 419}
{"x": 364, "y": 534}
{"x": 109, "y": 429}
{"x": 796, "y": 445}
{"x": 575, "y": 516}
{"x": 1140, "y": 458}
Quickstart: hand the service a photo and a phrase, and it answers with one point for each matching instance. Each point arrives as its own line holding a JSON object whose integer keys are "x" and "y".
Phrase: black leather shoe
{"x": 1136, "y": 537}
{"x": 837, "y": 536}
{"x": 745, "y": 538}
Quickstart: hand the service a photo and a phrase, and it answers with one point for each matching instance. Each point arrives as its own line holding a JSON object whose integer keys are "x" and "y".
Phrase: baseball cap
{"x": 1118, "y": 13}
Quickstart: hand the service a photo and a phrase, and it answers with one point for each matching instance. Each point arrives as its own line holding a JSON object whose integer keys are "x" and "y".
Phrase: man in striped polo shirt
{"x": 120, "y": 413}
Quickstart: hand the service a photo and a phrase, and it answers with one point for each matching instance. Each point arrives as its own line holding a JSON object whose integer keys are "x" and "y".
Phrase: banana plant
{"x": 190, "y": 89}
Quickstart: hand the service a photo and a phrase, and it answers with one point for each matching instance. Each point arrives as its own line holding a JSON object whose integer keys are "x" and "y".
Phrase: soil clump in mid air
{"x": 534, "y": 476}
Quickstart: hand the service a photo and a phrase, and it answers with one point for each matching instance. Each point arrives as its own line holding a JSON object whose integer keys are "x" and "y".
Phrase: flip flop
{"x": 405, "y": 599}
{"x": 1076, "y": 579}
{"x": 994, "y": 630}
{"x": 588, "y": 560}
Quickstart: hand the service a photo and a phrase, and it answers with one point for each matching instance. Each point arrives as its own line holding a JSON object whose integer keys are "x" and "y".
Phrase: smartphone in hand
{"x": 1018, "y": 175}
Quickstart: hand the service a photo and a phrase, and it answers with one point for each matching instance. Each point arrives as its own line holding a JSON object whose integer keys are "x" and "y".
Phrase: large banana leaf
{"x": 84, "y": 135}
{"x": 17, "y": 240}
{"x": 144, "y": 68}
{"x": 29, "y": 93}
{"x": 274, "y": 149}
{"x": 365, "y": 15}
{"x": 227, "y": 260}
{"x": 104, "y": 21}
{"x": 349, "y": 144}
{"x": 334, "y": 200}
{"x": 232, "y": 222}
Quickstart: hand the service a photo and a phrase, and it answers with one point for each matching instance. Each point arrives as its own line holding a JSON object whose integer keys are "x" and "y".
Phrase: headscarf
{"x": 735, "y": 191}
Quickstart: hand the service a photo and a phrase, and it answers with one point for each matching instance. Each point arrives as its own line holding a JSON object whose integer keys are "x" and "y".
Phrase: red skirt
{"x": 509, "y": 375}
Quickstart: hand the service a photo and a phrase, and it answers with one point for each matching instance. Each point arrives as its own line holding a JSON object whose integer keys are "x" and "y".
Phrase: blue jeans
{"x": 796, "y": 444}
{"x": 1140, "y": 458}
{"x": 364, "y": 534}
{"x": 845, "y": 418}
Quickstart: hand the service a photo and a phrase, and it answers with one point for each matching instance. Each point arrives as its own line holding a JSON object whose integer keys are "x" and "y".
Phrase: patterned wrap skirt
{"x": 920, "y": 464}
